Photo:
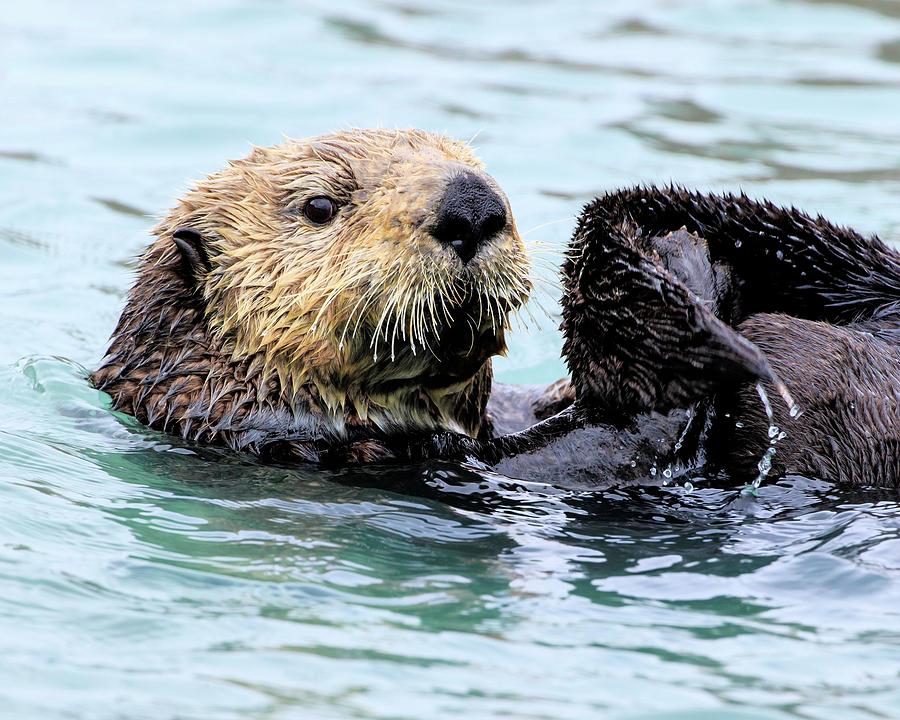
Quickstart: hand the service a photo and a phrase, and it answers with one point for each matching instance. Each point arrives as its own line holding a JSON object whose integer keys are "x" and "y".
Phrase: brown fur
{"x": 316, "y": 334}
{"x": 845, "y": 380}
{"x": 805, "y": 305}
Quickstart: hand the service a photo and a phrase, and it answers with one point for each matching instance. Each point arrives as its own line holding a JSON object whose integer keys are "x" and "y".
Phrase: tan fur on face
{"x": 356, "y": 307}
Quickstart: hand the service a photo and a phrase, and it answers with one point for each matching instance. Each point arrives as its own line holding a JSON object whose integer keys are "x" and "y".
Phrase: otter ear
{"x": 194, "y": 256}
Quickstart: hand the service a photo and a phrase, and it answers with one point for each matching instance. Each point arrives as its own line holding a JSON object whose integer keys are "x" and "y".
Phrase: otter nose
{"x": 469, "y": 215}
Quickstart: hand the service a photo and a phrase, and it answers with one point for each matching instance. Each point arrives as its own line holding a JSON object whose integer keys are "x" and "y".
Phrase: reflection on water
{"x": 141, "y": 577}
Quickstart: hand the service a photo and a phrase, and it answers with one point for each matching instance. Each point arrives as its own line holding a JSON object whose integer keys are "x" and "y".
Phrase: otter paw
{"x": 636, "y": 337}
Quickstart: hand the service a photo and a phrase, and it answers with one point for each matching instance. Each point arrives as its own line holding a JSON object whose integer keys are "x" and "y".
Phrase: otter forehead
{"x": 385, "y": 185}
{"x": 374, "y": 151}
{"x": 394, "y": 178}
{"x": 357, "y": 162}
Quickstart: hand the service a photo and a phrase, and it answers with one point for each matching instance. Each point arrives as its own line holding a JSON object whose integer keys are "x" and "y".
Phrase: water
{"x": 774, "y": 434}
{"x": 139, "y": 579}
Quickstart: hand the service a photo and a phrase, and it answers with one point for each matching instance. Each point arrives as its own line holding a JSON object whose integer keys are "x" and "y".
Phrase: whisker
{"x": 570, "y": 218}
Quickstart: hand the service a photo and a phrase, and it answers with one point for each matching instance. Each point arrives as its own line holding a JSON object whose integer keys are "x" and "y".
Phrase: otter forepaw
{"x": 636, "y": 338}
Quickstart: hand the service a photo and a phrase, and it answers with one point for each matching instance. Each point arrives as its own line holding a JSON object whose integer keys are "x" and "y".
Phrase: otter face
{"x": 367, "y": 263}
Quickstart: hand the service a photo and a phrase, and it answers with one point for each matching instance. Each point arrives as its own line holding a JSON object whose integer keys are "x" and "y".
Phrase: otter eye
{"x": 319, "y": 210}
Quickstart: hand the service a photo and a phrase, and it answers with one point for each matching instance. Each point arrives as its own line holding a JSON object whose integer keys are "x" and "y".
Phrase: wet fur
{"x": 272, "y": 337}
{"x": 250, "y": 327}
{"x": 797, "y": 300}
{"x": 846, "y": 380}
{"x": 822, "y": 305}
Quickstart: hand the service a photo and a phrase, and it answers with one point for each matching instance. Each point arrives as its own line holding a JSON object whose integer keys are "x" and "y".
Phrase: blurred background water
{"x": 143, "y": 579}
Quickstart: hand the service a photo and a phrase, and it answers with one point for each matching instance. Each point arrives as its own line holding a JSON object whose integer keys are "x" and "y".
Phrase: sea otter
{"x": 338, "y": 299}
{"x": 322, "y": 293}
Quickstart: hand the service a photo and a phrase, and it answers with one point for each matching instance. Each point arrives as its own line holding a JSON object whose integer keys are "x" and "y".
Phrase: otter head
{"x": 376, "y": 269}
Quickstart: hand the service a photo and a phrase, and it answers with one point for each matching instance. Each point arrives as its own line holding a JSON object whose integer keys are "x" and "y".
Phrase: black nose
{"x": 470, "y": 214}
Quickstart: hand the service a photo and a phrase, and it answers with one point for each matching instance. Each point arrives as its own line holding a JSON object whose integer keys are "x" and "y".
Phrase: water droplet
{"x": 653, "y": 471}
{"x": 795, "y": 411}
{"x": 667, "y": 473}
{"x": 688, "y": 485}
{"x": 779, "y": 254}
{"x": 634, "y": 463}
{"x": 764, "y": 466}
{"x": 737, "y": 243}
{"x": 739, "y": 424}
{"x": 689, "y": 415}
{"x": 774, "y": 433}
{"x": 761, "y": 391}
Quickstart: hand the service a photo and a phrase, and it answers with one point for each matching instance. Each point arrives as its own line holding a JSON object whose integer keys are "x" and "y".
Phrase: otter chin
{"x": 323, "y": 291}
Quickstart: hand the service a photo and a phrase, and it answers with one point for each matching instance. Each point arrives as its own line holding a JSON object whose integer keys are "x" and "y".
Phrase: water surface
{"x": 140, "y": 578}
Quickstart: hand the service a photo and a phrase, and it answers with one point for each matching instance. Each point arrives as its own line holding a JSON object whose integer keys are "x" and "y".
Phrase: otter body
{"x": 338, "y": 299}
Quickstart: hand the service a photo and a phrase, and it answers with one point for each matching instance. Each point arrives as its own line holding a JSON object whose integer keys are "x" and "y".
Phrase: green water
{"x": 141, "y": 579}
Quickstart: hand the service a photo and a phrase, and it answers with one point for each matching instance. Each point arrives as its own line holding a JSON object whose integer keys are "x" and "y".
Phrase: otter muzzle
{"x": 470, "y": 214}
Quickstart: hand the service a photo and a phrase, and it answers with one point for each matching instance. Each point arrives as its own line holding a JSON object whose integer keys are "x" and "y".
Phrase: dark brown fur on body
{"x": 845, "y": 379}
{"x": 815, "y": 305}
{"x": 166, "y": 370}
